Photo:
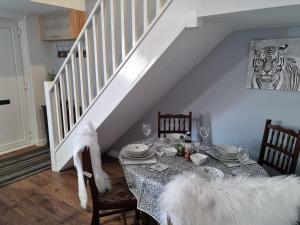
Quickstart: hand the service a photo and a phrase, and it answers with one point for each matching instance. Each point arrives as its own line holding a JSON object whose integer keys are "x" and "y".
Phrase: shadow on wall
{"x": 216, "y": 88}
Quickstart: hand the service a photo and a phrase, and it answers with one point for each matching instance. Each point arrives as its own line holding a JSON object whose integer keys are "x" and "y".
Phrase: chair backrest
{"x": 174, "y": 123}
{"x": 280, "y": 148}
{"x": 88, "y": 174}
{"x": 189, "y": 199}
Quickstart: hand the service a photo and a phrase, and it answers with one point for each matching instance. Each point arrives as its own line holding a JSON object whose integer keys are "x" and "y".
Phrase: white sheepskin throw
{"x": 190, "y": 200}
{"x": 87, "y": 137}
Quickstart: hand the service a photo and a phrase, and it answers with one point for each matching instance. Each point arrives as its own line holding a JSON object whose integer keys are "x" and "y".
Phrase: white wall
{"x": 42, "y": 56}
{"x": 216, "y": 89}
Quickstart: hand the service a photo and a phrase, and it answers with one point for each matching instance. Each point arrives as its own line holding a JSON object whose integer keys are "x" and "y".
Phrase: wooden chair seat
{"x": 118, "y": 193}
{"x": 118, "y": 199}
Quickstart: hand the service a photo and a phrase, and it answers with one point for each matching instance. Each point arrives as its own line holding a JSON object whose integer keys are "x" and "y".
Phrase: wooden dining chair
{"x": 117, "y": 200}
{"x": 174, "y": 123}
{"x": 280, "y": 148}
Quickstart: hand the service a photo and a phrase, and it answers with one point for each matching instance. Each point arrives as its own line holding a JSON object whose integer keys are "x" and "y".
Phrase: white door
{"x": 14, "y": 122}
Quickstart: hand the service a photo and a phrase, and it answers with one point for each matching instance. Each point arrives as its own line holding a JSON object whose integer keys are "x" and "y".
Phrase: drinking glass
{"x": 146, "y": 128}
{"x": 243, "y": 154}
{"x": 204, "y": 132}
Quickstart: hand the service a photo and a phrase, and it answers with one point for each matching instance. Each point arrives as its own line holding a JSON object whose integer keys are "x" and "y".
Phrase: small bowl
{"x": 198, "y": 158}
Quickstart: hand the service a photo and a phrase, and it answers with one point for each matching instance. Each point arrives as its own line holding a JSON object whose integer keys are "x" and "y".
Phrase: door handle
{"x": 5, "y": 102}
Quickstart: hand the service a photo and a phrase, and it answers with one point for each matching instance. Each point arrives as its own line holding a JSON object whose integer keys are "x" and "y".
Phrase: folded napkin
{"x": 127, "y": 161}
{"x": 231, "y": 164}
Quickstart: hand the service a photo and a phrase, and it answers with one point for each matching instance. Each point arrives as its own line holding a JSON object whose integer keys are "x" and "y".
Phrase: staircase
{"x": 130, "y": 53}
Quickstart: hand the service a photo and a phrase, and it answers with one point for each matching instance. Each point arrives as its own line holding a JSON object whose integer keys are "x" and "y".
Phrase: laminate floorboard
{"x": 51, "y": 198}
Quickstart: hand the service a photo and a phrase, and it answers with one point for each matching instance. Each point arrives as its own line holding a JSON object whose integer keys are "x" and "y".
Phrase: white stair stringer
{"x": 178, "y": 40}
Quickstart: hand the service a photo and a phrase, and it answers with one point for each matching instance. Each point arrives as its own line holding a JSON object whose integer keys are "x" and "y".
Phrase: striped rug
{"x": 23, "y": 165}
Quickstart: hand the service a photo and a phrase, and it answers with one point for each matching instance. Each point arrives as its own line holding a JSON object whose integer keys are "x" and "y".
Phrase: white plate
{"x": 151, "y": 154}
{"x": 210, "y": 173}
{"x": 136, "y": 150}
{"x": 226, "y": 150}
{"x": 225, "y": 159}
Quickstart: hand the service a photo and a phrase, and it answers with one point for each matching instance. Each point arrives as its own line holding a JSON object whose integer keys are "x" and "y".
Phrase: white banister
{"x": 58, "y": 112}
{"x": 134, "y": 22}
{"x": 104, "y": 46}
{"x": 63, "y": 103}
{"x": 124, "y": 31}
{"x": 88, "y": 65}
{"x": 82, "y": 79}
{"x": 158, "y": 7}
{"x": 75, "y": 87}
{"x": 113, "y": 34}
{"x": 52, "y": 127}
{"x": 146, "y": 14}
{"x": 110, "y": 35}
{"x": 69, "y": 96}
{"x": 96, "y": 49}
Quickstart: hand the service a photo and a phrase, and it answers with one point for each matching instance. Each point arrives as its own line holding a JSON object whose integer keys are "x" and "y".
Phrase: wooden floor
{"x": 50, "y": 199}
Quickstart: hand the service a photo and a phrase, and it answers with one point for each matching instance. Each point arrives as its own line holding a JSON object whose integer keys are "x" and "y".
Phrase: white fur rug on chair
{"x": 190, "y": 200}
{"x": 87, "y": 137}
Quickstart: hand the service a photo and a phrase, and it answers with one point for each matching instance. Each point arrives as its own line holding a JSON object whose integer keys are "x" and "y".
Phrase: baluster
{"x": 113, "y": 35}
{"x": 69, "y": 96}
{"x": 88, "y": 65}
{"x": 134, "y": 22}
{"x": 58, "y": 111}
{"x": 96, "y": 49}
{"x": 124, "y": 29}
{"x": 158, "y": 7}
{"x": 63, "y": 103}
{"x": 169, "y": 124}
{"x": 82, "y": 80}
{"x": 75, "y": 87}
{"x": 104, "y": 46}
{"x": 146, "y": 15}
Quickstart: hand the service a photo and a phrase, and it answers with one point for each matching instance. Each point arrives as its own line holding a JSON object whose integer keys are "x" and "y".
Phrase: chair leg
{"x": 124, "y": 218}
{"x": 95, "y": 217}
{"x": 137, "y": 217}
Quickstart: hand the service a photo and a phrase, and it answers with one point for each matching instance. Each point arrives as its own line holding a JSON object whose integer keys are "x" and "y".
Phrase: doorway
{"x": 14, "y": 118}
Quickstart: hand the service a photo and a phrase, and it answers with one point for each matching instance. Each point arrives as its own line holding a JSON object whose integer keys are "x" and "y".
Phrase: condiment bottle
{"x": 181, "y": 146}
{"x": 187, "y": 146}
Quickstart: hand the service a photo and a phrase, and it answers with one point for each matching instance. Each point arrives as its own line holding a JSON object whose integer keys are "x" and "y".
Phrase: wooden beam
{"x": 71, "y": 4}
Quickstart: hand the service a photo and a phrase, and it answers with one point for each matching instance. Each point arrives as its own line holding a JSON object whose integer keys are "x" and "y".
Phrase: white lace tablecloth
{"x": 147, "y": 184}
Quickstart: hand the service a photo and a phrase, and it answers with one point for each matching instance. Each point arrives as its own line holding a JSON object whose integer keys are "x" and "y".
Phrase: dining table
{"x": 147, "y": 184}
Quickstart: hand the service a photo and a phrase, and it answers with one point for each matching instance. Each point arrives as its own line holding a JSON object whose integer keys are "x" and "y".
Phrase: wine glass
{"x": 146, "y": 128}
{"x": 243, "y": 154}
{"x": 204, "y": 132}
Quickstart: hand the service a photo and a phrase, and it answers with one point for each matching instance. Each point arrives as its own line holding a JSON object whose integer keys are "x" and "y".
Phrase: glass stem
{"x": 205, "y": 141}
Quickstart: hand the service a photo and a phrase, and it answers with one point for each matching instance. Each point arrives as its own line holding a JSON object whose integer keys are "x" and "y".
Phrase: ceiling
{"x": 24, "y": 7}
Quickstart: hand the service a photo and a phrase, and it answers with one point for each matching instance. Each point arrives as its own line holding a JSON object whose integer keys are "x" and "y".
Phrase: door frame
{"x": 22, "y": 81}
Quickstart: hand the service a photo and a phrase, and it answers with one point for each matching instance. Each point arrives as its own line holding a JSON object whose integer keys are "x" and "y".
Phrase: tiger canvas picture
{"x": 274, "y": 64}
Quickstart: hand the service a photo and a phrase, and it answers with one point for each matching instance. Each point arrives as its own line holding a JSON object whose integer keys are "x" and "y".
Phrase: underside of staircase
{"x": 121, "y": 79}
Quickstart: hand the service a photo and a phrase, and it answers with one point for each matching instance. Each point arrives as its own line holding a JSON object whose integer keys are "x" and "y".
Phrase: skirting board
{"x": 40, "y": 142}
